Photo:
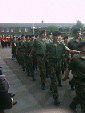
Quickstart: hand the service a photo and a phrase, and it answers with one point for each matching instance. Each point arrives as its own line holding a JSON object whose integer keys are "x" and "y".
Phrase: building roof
{"x": 36, "y": 25}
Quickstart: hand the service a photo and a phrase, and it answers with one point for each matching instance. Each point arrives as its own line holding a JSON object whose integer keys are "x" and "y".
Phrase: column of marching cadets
{"x": 53, "y": 56}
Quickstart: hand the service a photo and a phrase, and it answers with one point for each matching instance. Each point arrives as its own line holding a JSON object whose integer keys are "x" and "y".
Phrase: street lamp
{"x": 33, "y": 29}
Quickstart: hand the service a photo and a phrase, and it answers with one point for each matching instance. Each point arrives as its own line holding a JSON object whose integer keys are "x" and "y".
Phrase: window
{"x": 7, "y": 30}
{"x": 11, "y": 29}
{"x": 26, "y": 30}
{"x": 2, "y": 30}
{"x": 19, "y": 29}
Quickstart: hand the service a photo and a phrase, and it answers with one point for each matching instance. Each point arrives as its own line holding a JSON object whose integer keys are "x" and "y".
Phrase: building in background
{"x": 18, "y": 29}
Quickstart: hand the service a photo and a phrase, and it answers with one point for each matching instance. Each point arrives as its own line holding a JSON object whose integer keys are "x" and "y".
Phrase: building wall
{"x": 15, "y": 31}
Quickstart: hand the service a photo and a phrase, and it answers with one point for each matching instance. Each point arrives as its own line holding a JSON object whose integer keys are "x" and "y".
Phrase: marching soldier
{"x": 65, "y": 63}
{"x": 77, "y": 65}
{"x": 72, "y": 44}
{"x": 18, "y": 49}
{"x": 22, "y": 51}
{"x": 39, "y": 46}
{"x": 29, "y": 66}
{"x": 14, "y": 48}
{"x": 55, "y": 52}
{"x": 49, "y": 39}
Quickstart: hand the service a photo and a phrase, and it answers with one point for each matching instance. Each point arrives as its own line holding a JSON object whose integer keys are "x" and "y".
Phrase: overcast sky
{"x": 34, "y": 11}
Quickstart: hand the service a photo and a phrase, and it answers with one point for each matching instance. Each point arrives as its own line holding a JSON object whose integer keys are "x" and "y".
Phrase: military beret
{"x": 49, "y": 33}
{"x": 26, "y": 36}
{"x": 22, "y": 35}
{"x": 43, "y": 31}
{"x": 81, "y": 44}
{"x": 56, "y": 33}
{"x": 76, "y": 29}
{"x": 65, "y": 37}
{"x": 19, "y": 38}
{"x": 36, "y": 35}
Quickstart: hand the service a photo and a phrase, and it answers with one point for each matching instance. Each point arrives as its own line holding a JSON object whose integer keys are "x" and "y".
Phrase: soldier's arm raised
{"x": 71, "y": 51}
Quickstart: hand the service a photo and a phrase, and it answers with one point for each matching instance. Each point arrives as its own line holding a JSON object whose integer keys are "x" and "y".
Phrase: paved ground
{"x": 30, "y": 98}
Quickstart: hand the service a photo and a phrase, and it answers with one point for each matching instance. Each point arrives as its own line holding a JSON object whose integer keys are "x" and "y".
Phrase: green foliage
{"x": 51, "y": 28}
{"x": 79, "y": 25}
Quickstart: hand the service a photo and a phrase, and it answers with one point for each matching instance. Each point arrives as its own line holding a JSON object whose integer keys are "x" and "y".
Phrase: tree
{"x": 79, "y": 25}
{"x": 51, "y": 28}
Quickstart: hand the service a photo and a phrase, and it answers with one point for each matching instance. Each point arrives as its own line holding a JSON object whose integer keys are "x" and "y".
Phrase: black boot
{"x": 72, "y": 86}
{"x": 11, "y": 94}
{"x": 72, "y": 106}
{"x": 14, "y": 102}
{"x": 50, "y": 88}
{"x": 12, "y": 57}
{"x": 59, "y": 83}
{"x": 34, "y": 79}
{"x": 43, "y": 86}
{"x": 47, "y": 76}
{"x": 56, "y": 100}
{"x": 28, "y": 74}
{"x": 23, "y": 68}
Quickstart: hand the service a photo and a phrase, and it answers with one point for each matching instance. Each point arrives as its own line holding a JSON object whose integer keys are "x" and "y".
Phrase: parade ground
{"x": 29, "y": 96}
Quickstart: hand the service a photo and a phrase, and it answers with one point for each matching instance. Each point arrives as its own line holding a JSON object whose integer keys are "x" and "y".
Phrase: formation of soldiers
{"x": 52, "y": 56}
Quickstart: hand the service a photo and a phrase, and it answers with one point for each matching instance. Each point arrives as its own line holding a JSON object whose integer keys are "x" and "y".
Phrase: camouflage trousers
{"x": 41, "y": 66}
{"x": 80, "y": 94}
{"x": 22, "y": 60}
{"x": 18, "y": 56}
{"x": 55, "y": 75}
{"x": 29, "y": 65}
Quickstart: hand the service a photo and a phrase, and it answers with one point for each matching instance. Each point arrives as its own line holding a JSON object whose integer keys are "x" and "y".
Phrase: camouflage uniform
{"x": 49, "y": 40}
{"x": 18, "y": 53}
{"x": 29, "y": 64}
{"x": 14, "y": 49}
{"x": 77, "y": 65}
{"x": 55, "y": 57}
{"x": 22, "y": 58}
{"x": 40, "y": 47}
{"x": 72, "y": 44}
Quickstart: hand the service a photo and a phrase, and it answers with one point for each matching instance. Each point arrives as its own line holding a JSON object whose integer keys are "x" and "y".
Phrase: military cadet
{"x": 29, "y": 66}
{"x": 55, "y": 51}
{"x": 65, "y": 63}
{"x": 36, "y": 36}
{"x": 77, "y": 65}
{"x": 59, "y": 39}
{"x": 40, "y": 46}
{"x": 27, "y": 38}
{"x": 49, "y": 39}
{"x": 12, "y": 40}
{"x": 22, "y": 51}
{"x": 72, "y": 44}
{"x": 14, "y": 48}
{"x": 18, "y": 49}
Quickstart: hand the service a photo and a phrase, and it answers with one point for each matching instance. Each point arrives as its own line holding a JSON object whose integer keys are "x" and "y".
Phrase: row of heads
{"x": 55, "y": 33}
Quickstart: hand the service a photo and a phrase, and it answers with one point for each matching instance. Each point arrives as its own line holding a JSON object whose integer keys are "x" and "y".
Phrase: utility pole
{"x": 33, "y": 28}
